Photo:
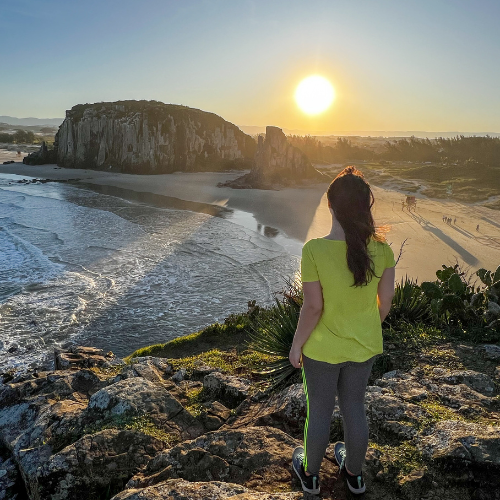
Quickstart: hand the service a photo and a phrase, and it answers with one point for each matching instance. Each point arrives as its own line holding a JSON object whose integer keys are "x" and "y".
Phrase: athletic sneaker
{"x": 310, "y": 484}
{"x": 355, "y": 483}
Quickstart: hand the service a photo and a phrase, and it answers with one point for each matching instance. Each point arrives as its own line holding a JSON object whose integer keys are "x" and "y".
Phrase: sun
{"x": 314, "y": 94}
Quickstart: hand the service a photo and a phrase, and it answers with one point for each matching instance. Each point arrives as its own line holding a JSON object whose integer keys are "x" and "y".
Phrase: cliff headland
{"x": 149, "y": 137}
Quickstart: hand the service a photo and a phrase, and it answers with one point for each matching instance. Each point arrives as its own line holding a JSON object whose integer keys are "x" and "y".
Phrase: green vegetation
{"x": 194, "y": 402}
{"x": 462, "y": 168}
{"x": 273, "y": 336}
{"x": 141, "y": 423}
{"x": 409, "y": 306}
{"x": 221, "y": 345}
{"x": 24, "y": 136}
{"x": 231, "y": 334}
{"x": 459, "y": 150}
{"x": 400, "y": 460}
{"x": 18, "y": 137}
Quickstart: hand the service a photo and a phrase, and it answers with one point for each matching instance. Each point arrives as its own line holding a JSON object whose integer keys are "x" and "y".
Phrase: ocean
{"x": 97, "y": 269}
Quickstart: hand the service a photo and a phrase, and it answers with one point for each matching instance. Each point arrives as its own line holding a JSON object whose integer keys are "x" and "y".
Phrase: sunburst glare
{"x": 314, "y": 94}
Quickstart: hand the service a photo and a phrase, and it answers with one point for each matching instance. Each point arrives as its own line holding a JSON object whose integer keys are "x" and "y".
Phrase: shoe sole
{"x": 304, "y": 487}
{"x": 356, "y": 491}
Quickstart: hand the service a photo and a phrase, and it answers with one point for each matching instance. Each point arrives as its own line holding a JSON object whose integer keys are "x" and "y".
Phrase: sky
{"x": 395, "y": 65}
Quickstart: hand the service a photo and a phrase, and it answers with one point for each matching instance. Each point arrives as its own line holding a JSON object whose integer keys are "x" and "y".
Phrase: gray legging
{"x": 322, "y": 381}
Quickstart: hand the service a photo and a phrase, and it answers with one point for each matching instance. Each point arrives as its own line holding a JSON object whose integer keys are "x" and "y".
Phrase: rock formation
{"x": 277, "y": 163}
{"x": 97, "y": 427}
{"x": 42, "y": 156}
{"x": 150, "y": 137}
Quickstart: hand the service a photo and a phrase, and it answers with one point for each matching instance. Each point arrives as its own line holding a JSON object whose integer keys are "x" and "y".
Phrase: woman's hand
{"x": 295, "y": 355}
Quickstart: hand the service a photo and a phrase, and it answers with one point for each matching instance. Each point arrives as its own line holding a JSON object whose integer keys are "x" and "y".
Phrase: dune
{"x": 302, "y": 213}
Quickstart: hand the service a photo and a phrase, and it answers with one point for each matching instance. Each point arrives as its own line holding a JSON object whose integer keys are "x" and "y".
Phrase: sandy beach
{"x": 302, "y": 213}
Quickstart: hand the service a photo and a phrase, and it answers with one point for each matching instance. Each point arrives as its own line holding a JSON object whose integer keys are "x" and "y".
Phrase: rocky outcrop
{"x": 95, "y": 463}
{"x": 277, "y": 163}
{"x": 179, "y": 489}
{"x": 98, "y": 427}
{"x": 231, "y": 390}
{"x": 150, "y": 137}
{"x": 83, "y": 357}
{"x": 42, "y": 156}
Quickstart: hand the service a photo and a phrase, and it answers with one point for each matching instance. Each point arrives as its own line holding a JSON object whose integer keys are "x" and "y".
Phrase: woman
{"x": 348, "y": 285}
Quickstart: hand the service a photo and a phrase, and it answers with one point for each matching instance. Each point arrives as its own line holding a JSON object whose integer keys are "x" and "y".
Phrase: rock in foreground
{"x": 100, "y": 427}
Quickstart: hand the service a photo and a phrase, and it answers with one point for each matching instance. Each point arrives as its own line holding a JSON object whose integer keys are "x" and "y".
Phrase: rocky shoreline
{"x": 99, "y": 427}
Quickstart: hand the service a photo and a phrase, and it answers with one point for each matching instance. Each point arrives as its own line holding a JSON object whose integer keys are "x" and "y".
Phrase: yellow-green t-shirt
{"x": 349, "y": 328}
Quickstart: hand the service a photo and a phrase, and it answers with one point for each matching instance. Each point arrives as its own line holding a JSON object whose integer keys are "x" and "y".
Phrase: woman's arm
{"x": 385, "y": 292}
{"x": 308, "y": 319}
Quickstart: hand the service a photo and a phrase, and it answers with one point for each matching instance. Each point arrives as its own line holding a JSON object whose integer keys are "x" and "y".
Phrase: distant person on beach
{"x": 348, "y": 285}
{"x": 477, "y": 227}
{"x": 455, "y": 221}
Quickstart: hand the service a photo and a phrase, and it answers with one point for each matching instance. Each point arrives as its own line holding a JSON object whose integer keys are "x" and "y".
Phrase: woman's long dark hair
{"x": 351, "y": 199}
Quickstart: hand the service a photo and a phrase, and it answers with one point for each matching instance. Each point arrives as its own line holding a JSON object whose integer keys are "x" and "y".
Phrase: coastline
{"x": 301, "y": 213}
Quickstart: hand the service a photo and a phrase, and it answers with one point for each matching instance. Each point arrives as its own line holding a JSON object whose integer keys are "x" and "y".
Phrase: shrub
{"x": 273, "y": 336}
{"x": 410, "y": 305}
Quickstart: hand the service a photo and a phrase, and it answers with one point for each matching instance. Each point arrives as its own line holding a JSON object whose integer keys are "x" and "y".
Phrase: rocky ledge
{"x": 97, "y": 427}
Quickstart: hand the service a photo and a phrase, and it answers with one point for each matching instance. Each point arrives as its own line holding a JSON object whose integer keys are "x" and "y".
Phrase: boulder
{"x": 83, "y": 357}
{"x": 285, "y": 410}
{"x": 491, "y": 352}
{"x": 138, "y": 397}
{"x": 402, "y": 385}
{"x": 179, "y": 375}
{"x": 463, "y": 442}
{"x": 456, "y": 396}
{"x": 85, "y": 381}
{"x": 256, "y": 457}
{"x": 15, "y": 420}
{"x": 390, "y": 414}
{"x": 154, "y": 369}
{"x": 479, "y": 382}
{"x": 215, "y": 415}
{"x": 96, "y": 465}
{"x": 179, "y": 489}
{"x": 227, "y": 388}
{"x": 42, "y": 156}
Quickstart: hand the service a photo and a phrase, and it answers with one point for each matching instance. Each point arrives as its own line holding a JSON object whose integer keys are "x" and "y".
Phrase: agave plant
{"x": 409, "y": 305}
{"x": 273, "y": 335}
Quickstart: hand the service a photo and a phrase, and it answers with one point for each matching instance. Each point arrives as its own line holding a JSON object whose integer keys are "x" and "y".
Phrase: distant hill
{"x": 12, "y": 120}
{"x": 255, "y": 129}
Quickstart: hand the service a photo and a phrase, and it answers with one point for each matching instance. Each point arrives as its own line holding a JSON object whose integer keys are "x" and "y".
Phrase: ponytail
{"x": 351, "y": 200}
